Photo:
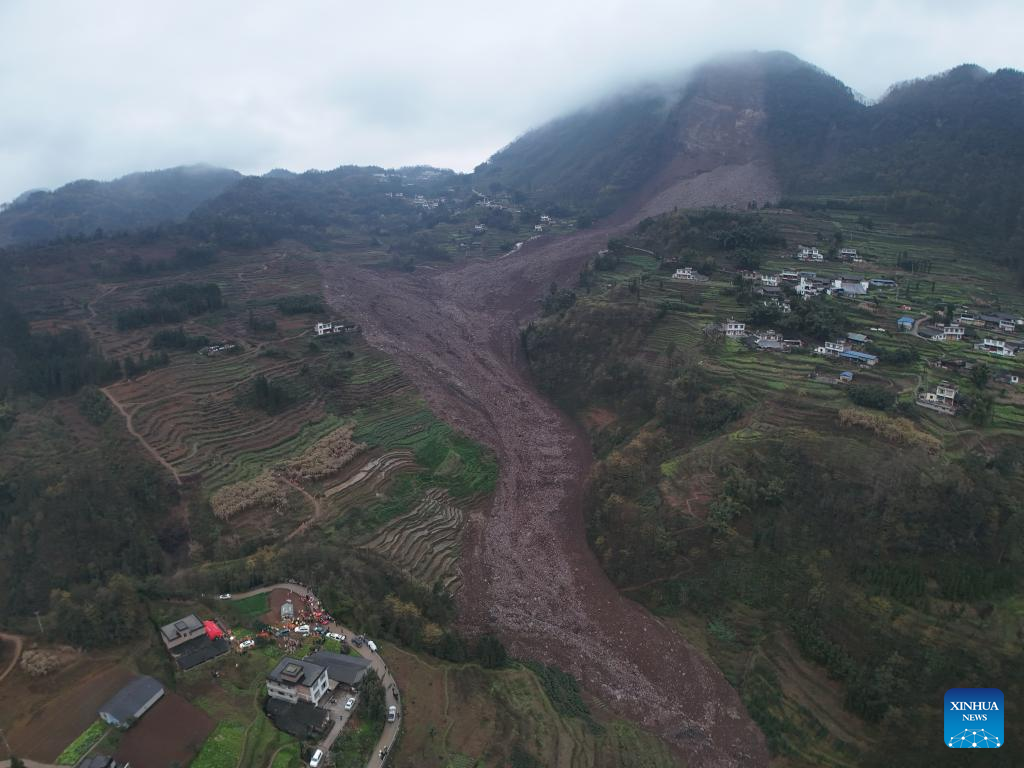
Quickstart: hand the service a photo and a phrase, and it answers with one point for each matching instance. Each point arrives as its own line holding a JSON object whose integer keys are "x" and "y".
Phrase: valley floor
{"x": 528, "y": 572}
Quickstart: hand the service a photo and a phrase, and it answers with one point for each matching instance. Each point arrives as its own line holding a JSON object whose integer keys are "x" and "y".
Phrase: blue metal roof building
{"x": 859, "y": 357}
{"x": 905, "y": 322}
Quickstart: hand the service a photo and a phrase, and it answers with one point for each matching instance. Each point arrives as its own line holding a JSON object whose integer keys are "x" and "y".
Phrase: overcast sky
{"x": 98, "y": 89}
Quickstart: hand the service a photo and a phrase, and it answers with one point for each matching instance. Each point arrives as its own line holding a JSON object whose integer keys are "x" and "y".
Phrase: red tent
{"x": 212, "y": 630}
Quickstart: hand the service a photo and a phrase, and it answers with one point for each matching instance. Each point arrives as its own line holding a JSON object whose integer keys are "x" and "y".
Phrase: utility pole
{"x": 40, "y": 623}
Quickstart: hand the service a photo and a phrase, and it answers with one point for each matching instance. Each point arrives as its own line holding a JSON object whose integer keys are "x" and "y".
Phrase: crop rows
{"x": 374, "y": 473}
{"x": 393, "y": 424}
{"x": 425, "y": 542}
{"x": 372, "y": 370}
{"x": 249, "y": 463}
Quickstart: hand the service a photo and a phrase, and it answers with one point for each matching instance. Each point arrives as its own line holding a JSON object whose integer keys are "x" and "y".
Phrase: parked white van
{"x": 314, "y": 761}
{"x": 371, "y": 645}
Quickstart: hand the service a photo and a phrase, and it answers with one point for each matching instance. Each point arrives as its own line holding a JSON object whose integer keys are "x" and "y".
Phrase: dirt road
{"x": 528, "y": 572}
{"x": 131, "y": 429}
{"x": 16, "y": 643}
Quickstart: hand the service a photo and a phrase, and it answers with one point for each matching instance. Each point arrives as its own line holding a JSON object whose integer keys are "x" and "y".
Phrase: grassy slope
{"x": 463, "y": 715}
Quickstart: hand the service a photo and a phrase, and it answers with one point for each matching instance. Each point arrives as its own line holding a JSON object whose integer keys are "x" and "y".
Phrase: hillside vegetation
{"x": 129, "y": 203}
{"x": 795, "y": 536}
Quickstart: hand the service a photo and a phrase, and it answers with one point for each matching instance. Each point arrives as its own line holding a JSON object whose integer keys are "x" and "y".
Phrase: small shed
{"x": 132, "y": 702}
{"x": 846, "y": 377}
{"x": 905, "y": 323}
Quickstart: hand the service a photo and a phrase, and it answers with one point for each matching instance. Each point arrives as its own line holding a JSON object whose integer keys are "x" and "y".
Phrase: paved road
{"x": 390, "y": 733}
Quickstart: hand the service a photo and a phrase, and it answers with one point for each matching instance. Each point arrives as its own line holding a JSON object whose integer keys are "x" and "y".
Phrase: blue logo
{"x": 974, "y": 718}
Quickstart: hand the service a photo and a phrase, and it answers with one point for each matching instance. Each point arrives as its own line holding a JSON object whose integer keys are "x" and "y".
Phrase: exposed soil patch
{"x": 43, "y": 715}
{"x": 171, "y": 733}
{"x": 598, "y": 418}
{"x": 277, "y": 598}
{"x": 527, "y": 570}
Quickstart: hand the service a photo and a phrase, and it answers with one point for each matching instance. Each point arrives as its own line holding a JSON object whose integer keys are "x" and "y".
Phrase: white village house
{"x": 812, "y": 286}
{"x": 734, "y": 329}
{"x": 943, "y": 399}
{"x": 809, "y": 254}
{"x": 689, "y": 274}
{"x": 323, "y": 329}
{"x": 295, "y": 680}
{"x": 998, "y": 347}
{"x": 830, "y": 348}
{"x": 850, "y": 286}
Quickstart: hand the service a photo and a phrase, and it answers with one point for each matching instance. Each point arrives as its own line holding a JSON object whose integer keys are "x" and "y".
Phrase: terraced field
{"x": 424, "y": 543}
{"x": 190, "y": 413}
{"x": 373, "y": 474}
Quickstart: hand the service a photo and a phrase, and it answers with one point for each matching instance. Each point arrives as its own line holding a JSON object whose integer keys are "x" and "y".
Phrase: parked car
{"x": 349, "y": 704}
{"x": 372, "y": 646}
{"x": 392, "y": 713}
{"x": 282, "y": 632}
{"x": 322, "y": 631}
{"x": 302, "y": 629}
{"x": 314, "y": 761}
{"x": 335, "y": 636}
{"x": 357, "y": 641}
{"x": 247, "y": 644}
{"x": 225, "y": 596}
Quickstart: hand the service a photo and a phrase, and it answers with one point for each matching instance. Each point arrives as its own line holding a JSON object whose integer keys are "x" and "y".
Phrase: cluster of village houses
{"x": 806, "y": 253}
{"x": 302, "y": 693}
{"x": 545, "y": 221}
{"x": 943, "y": 399}
{"x": 993, "y": 323}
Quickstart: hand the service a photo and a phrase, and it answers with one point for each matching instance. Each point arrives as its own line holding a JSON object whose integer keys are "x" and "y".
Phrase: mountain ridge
{"x": 737, "y": 130}
{"x": 130, "y": 202}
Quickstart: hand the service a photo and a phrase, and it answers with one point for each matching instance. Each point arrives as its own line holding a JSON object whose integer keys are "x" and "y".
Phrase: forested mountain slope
{"x": 128, "y": 203}
{"x": 945, "y": 148}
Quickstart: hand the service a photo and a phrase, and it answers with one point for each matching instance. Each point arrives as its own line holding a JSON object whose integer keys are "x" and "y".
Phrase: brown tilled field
{"x": 170, "y": 734}
{"x": 41, "y": 716}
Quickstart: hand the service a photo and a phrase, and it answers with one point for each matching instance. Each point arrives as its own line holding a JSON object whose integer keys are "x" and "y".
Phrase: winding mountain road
{"x": 528, "y": 572}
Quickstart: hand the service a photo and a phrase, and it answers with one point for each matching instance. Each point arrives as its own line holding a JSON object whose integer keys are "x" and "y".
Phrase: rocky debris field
{"x": 528, "y": 573}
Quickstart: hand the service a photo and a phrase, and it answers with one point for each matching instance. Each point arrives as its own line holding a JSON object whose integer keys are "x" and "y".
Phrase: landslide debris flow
{"x": 528, "y": 573}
